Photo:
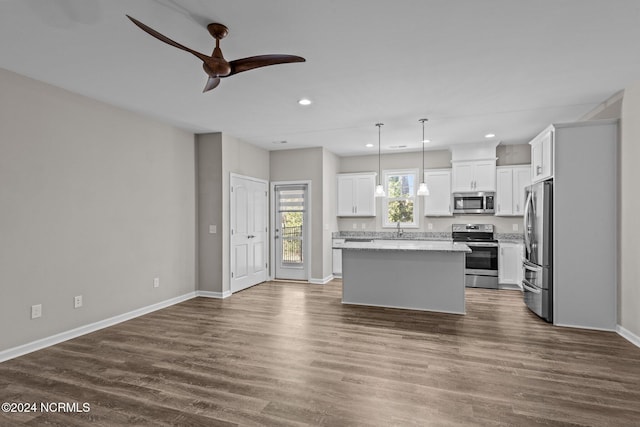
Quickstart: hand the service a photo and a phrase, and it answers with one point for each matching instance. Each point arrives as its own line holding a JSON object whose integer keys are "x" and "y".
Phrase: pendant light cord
{"x": 423, "y": 120}
{"x": 379, "y": 154}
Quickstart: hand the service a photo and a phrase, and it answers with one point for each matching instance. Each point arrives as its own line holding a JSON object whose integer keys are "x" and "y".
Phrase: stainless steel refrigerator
{"x": 538, "y": 241}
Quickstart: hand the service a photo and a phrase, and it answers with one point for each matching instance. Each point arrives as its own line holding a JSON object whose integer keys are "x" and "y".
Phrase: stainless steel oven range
{"x": 481, "y": 265}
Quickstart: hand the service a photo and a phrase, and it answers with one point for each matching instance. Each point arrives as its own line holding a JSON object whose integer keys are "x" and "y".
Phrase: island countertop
{"x": 405, "y": 245}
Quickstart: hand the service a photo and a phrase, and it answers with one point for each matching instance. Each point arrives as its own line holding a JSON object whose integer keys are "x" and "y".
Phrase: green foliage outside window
{"x": 400, "y": 206}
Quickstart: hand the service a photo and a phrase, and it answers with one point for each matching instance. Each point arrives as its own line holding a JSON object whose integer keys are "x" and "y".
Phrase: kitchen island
{"x": 409, "y": 274}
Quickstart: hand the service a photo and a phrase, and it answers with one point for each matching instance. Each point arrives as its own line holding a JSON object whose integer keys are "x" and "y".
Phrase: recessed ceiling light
{"x": 304, "y": 101}
{"x": 369, "y": 145}
{"x": 426, "y": 140}
{"x": 490, "y": 135}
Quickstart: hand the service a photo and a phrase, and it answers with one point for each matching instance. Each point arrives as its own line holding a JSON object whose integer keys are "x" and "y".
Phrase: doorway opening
{"x": 291, "y": 224}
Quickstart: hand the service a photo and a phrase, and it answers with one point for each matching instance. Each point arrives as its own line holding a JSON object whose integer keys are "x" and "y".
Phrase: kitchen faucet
{"x": 400, "y": 232}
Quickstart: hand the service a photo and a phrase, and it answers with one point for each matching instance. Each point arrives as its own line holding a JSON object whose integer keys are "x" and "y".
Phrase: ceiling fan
{"x": 215, "y": 65}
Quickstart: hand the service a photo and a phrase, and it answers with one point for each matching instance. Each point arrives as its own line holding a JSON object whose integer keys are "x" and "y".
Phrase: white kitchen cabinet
{"x": 542, "y": 156}
{"x": 356, "y": 194}
{"x": 510, "y": 264}
{"x": 337, "y": 258}
{"x": 474, "y": 175}
{"x": 511, "y": 182}
{"x": 438, "y": 202}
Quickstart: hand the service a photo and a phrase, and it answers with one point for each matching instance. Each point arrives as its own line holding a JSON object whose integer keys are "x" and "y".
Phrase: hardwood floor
{"x": 292, "y": 354}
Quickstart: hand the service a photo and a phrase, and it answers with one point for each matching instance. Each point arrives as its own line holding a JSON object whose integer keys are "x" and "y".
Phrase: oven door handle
{"x": 480, "y": 244}
{"x": 528, "y": 287}
{"x": 529, "y": 266}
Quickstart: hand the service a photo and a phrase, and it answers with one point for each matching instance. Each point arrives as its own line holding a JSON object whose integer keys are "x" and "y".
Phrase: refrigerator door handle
{"x": 531, "y": 267}
{"x": 528, "y": 287}
{"x": 527, "y": 240}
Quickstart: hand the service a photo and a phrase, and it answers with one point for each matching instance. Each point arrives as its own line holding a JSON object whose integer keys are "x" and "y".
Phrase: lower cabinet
{"x": 337, "y": 258}
{"x": 510, "y": 264}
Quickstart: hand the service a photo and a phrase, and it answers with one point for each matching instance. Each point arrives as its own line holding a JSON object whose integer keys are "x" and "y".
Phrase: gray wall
{"x": 518, "y": 154}
{"x": 220, "y": 155}
{"x": 629, "y": 289}
{"x": 330, "y": 165}
{"x": 210, "y": 246}
{"x": 305, "y": 165}
{"x": 240, "y": 158}
{"x": 95, "y": 201}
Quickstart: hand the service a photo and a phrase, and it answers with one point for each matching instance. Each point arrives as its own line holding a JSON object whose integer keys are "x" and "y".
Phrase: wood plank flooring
{"x": 290, "y": 354}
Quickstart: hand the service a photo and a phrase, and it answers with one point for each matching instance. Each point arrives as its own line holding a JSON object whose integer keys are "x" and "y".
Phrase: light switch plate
{"x": 213, "y": 229}
{"x": 156, "y": 282}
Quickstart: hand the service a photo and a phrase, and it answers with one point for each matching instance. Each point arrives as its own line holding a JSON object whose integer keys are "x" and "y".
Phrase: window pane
{"x": 401, "y": 185}
{"x": 400, "y": 211}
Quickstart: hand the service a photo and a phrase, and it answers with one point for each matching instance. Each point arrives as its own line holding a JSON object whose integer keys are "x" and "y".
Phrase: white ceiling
{"x": 509, "y": 67}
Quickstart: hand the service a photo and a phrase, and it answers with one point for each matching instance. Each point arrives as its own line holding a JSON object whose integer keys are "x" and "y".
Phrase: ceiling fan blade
{"x": 167, "y": 40}
{"x": 212, "y": 83}
{"x": 246, "y": 64}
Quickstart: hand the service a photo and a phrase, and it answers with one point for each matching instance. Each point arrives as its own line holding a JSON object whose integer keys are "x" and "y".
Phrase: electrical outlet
{"x": 36, "y": 311}
{"x": 515, "y": 227}
{"x": 77, "y": 301}
{"x": 429, "y": 226}
{"x": 156, "y": 282}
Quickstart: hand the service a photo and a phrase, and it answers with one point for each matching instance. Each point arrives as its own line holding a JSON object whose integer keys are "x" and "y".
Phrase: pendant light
{"x": 379, "y": 188}
{"x": 423, "y": 190}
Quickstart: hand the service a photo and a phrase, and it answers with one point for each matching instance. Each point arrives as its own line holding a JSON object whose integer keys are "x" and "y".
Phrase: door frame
{"x": 231, "y": 212}
{"x": 272, "y": 234}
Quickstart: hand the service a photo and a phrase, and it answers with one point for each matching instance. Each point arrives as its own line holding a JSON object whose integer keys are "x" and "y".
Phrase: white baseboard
{"x": 322, "y": 281}
{"x": 210, "y": 294}
{"x": 628, "y": 335}
{"x": 591, "y": 328}
{"x": 21, "y": 350}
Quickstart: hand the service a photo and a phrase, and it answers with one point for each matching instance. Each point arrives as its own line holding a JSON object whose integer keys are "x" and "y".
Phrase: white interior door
{"x": 248, "y": 218}
{"x": 290, "y": 227}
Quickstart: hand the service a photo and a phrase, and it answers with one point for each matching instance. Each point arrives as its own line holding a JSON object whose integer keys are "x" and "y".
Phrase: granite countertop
{"x": 405, "y": 245}
{"x": 418, "y": 236}
{"x": 510, "y": 237}
{"x": 393, "y": 235}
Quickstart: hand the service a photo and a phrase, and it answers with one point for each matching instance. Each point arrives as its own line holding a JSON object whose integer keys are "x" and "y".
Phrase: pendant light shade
{"x": 379, "y": 188}
{"x": 423, "y": 190}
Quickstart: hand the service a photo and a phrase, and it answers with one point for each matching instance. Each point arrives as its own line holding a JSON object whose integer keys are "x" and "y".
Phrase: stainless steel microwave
{"x": 474, "y": 203}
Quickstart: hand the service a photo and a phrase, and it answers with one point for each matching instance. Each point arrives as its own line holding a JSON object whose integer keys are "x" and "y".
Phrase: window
{"x": 399, "y": 205}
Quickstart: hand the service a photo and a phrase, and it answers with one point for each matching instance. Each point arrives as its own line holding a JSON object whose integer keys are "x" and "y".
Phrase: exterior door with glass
{"x": 291, "y": 202}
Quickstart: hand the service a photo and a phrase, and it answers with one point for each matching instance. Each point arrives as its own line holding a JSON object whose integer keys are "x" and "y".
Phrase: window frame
{"x": 386, "y": 174}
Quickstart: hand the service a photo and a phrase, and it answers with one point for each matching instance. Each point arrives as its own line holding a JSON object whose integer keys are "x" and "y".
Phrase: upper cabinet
{"x": 474, "y": 175}
{"x": 438, "y": 202}
{"x": 510, "y": 187}
{"x": 542, "y": 156}
{"x": 355, "y": 194}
